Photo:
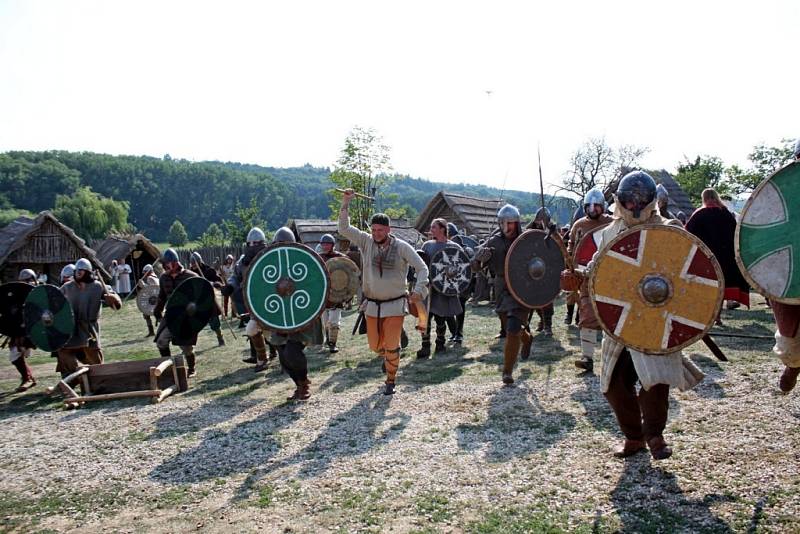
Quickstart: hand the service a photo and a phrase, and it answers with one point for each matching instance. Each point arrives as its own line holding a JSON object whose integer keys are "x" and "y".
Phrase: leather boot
{"x": 659, "y": 449}
{"x": 424, "y": 351}
{"x": 301, "y": 393}
{"x": 548, "y": 326}
{"x": 260, "y": 347}
{"x": 510, "y": 351}
{"x": 630, "y": 447}
{"x": 333, "y": 337}
{"x": 526, "y": 342}
{"x": 789, "y": 378}
{"x": 503, "y": 320}
{"x": 252, "y": 358}
{"x": 165, "y": 352}
{"x": 191, "y": 359}
{"x": 585, "y": 363}
{"x": 570, "y": 311}
{"x": 150, "y": 331}
{"x": 220, "y": 339}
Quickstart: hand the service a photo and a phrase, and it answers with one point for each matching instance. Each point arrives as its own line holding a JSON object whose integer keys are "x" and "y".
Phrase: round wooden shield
{"x": 286, "y": 287}
{"x": 656, "y": 288}
{"x": 344, "y": 277}
{"x": 587, "y": 246}
{"x": 449, "y": 271}
{"x": 12, "y": 299}
{"x": 768, "y": 239}
{"x": 189, "y": 307}
{"x": 533, "y": 268}
{"x": 147, "y": 298}
{"x": 49, "y": 322}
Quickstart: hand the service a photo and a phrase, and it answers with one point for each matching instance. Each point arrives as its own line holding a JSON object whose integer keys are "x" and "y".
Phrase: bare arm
{"x": 350, "y": 232}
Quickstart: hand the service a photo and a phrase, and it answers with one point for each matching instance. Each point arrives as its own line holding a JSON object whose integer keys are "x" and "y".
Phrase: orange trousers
{"x": 384, "y": 338}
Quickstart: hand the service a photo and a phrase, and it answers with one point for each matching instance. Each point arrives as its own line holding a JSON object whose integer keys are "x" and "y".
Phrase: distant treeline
{"x": 161, "y": 190}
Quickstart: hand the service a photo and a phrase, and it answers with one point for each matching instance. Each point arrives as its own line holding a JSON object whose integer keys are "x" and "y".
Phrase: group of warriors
{"x": 433, "y": 283}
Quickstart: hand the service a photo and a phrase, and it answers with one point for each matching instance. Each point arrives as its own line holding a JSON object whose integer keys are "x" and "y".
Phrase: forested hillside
{"x": 162, "y": 190}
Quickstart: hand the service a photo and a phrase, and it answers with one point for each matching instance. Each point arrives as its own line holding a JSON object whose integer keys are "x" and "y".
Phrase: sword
{"x": 714, "y": 348}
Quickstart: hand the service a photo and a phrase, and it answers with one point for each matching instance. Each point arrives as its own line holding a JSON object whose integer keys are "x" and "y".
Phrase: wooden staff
{"x": 359, "y": 195}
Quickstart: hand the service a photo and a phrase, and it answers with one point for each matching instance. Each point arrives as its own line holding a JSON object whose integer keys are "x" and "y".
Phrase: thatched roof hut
{"x": 43, "y": 244}
{"x": 474, "y": 216}
{"x": 310, "y": 231}
{"x": 137, "y": 250}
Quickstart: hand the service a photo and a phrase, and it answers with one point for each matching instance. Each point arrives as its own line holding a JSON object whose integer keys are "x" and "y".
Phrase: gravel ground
{"x": 452, "y": 451}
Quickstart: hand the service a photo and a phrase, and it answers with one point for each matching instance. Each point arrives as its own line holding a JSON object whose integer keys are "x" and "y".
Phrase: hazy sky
{"x": 282, "y": 83}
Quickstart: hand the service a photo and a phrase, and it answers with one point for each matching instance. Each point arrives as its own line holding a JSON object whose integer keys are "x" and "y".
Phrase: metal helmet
{"x": 147, "y": 268}
{"x": 283, "y": 235}
{"x": 68, "y": 271}
{"x": 661, "y": 192}
{"x": 452, "y": 230}
{"x": 797, "y": 149}
{"x": 26, "y": 274}
{"x": 83, "y": 265}
{"x": 508, "y": 213}
{"x": 256, "y": 234}
{"x": 327, "y": 238}
{"x": 229, "y": 257}
{"x": 169, "y": 256}
{"x": 542, "y": 216}
{"x": 594, "y": 196}
{"x": 637, "y": 187}
{"x": 197, "y": 258}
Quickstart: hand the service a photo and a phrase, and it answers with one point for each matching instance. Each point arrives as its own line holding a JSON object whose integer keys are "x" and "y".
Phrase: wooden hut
{"x": 310, "y": 231}
{"x": 137, "y": 250}
{"x": 43, "y": 244}
{"x": 474, "y": 216}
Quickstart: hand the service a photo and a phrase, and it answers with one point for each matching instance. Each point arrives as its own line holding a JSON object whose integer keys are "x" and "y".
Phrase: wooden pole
{"x": 112, "y": 396}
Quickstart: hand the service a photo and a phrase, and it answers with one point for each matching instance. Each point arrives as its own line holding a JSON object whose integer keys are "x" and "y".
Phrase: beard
{"x": 84, "y": 277}
{"x": 250, "y": 253}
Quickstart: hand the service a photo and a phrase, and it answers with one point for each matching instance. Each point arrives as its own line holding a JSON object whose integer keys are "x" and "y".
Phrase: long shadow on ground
{"x": 517, "y": 424}
{"x": 649, "y": 499}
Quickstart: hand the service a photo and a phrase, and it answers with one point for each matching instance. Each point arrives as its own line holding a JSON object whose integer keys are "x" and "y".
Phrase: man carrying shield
{"x": 21, "y": 347}
{"x": 443, "y": 308}
{"x": 594, "y": 206}
{"x": 542, "y": 221}
{"x": 332, "y": 316}
{"x": 385, "y": 262}
{"x": 209, "y": 273}
{"x": 513, "y": 315}
{"x": 85, "y": 295}
{"x": 171, "y": 278}
{"x": 642, "y": 417}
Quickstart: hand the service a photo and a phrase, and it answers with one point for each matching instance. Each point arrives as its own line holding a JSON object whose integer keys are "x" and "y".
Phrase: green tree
{"x": 91, "y": 215}
{"x": 363, "y": 165}
{"x": 703, "y": 172}
{"x": 177, "y": 234}
{"x": 764, "y": 160}
{"x": 212, "y": 237}
{"x": 244, "y": 218}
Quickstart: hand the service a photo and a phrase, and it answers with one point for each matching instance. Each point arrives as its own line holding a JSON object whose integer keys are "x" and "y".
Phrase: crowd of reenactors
{"x": 289, "y": 297}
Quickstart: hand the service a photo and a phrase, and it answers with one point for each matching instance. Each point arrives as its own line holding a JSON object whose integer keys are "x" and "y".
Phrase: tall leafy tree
{"x": 244, "y": 218}
{"x": 212, "y": 237}
{"x": 702, "y": 172}
{"x": 91, "y": 215}
{"x": 364, "y": 165}
{"x": 177, "y": 234}
{"x": 764, "y": 161}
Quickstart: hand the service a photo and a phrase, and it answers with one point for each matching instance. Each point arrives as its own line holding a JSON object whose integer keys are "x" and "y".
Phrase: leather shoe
{"x": 659, "y": 449}
{"x": 629, "y": 448}
{"x": 789, "y": 379}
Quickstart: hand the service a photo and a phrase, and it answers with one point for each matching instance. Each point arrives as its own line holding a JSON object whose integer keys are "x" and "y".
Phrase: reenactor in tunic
{"x": 542, "y": 221}
{"x": 21, "y": 347}
{"x": 149, "y": 278}
{"x": 86, "y": 296}
{"x": 444, "y": 309}
{"x": 173, "y": 275}
{"x": 642, "y": 416}
{"x": 513, "y": 315}
{"x": 594, "y": 206}
{"x": 385, "y": 263}
{"x": 332, "y": 316}
{"x": 209, "y": 273}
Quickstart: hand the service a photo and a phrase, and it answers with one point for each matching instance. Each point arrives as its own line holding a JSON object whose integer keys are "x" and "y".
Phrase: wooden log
{"x": 163, "y": 366}
{"x": 74, "y": 376}
{"x": 113, "y": 396}
{"x": 85, "y": 384}
{"x": 68, "y": 392}
{"x": 165, "y": 393}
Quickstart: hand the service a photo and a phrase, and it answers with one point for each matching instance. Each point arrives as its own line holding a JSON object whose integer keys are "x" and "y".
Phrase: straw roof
{"x": 475, "y": 216}
{"x": 118, "y": 246}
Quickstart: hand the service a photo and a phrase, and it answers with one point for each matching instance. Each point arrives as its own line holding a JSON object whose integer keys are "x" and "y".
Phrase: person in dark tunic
{"x": 443, "y": 308}
{"x": 716, "y": 227}
{"x": 209, "y": 273}
{"x": 20, "y": 348}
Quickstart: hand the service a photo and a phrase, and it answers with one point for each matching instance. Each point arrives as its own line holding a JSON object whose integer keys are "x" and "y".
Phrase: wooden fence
{"x": 211, "y": 254}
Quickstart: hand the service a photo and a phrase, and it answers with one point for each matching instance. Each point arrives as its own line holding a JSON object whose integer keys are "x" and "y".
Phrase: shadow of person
{"x": 349, "y": 377}
{"x": 649, "y": 499}
{"x": 516, "y": 424}
{"x": 710, "y": 386}
{"x": 598, "y": 412}
{"x": 222, "y": 453}
{"x": 351, "y": 433}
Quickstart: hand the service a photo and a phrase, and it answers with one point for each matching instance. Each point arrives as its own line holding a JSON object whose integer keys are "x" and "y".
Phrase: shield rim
{"x": 166, "y": 306}
{"x": 246, "y": 296}
{"x": 461, "y": 239}
{"x": 518, "y": 240}
{"x": 574, "y": 257}
{"x": 146, "y": 288}
{"x": 71, "y": 314}
{"x": 669, "y": 228}
{"x": 338, "y": 259}
{"x": 460, "y": 250}
{"x": 750, "y": 280}
{"x": 3, "y": 331}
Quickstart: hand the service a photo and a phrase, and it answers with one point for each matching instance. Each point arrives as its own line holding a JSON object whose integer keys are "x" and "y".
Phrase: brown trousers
{"x": 68, "y": 359}
{"x": 641, "y": 416}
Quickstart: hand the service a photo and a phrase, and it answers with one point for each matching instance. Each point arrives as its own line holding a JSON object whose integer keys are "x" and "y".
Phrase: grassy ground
{"x": 452, "y": 451}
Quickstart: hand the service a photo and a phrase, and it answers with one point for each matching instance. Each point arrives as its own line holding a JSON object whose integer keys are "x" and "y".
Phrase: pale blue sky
{"x": 281, "y": 83}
